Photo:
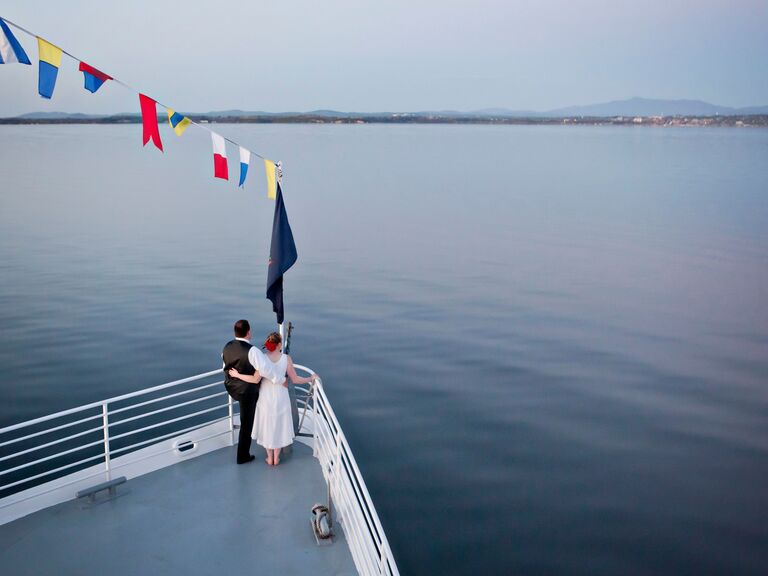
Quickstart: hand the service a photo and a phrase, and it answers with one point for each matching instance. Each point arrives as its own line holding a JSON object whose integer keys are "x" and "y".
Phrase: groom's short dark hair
{"x": 242, "y": 328}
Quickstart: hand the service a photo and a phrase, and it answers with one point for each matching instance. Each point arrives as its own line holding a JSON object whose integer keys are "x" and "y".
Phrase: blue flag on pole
{"x": 282, "y": 255}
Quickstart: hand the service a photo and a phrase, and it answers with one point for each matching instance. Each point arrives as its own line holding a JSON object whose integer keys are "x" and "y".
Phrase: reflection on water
{"x": 548, "y": 346}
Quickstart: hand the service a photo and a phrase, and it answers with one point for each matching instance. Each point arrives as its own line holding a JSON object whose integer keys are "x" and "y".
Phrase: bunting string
{"x": 50, "y": 58}
{"x": 282, "y": 249}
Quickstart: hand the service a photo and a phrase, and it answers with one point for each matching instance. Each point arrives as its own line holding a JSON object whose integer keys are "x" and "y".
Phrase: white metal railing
{"x": 108, "y": 432}
{"x": 350, "y": 498}
{"x": 349, "y": 494}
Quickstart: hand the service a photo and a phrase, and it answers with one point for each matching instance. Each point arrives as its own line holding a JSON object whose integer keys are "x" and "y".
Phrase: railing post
{"x": 315, "y": 423}
{"x": 337, "y": 436}
{"x": 231, "y": 420}
{"x": 337, "y": 465}
{"x": 383, "y": 559}
{"x": 105, "y": 419}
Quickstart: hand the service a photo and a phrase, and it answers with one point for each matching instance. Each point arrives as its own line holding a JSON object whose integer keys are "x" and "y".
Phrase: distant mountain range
{"x": 651, "y": 107}
{"x": 60, "y": 116}
{"x": 631, "y": 107}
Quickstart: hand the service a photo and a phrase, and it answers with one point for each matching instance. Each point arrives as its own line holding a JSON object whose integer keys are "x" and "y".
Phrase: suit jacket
{"x": 235, "y": 355}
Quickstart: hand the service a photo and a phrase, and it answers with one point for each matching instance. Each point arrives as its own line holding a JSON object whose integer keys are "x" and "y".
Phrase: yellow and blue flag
{"x": 178, "y": 122}
{"x": 50, "y": 60}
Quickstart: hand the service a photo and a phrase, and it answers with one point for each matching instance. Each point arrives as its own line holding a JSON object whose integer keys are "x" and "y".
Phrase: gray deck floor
{"x": 201, "y": 516}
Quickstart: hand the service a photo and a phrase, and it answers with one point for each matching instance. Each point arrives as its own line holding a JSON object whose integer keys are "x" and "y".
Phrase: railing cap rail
{"x": 107, "y": 401}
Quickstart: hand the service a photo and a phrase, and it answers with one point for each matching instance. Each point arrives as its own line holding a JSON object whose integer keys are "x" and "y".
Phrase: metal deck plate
{"x": 204, "y": 516}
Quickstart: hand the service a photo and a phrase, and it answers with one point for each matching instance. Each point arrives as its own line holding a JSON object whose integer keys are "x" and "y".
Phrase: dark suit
{"x": 235, "y": 355}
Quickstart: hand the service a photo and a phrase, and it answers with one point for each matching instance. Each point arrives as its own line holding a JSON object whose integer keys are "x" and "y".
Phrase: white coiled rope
{"x": 321, "y": 521}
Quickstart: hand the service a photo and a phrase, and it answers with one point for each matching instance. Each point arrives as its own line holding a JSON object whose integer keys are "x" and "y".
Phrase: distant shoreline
{"x": 735, "y": 121}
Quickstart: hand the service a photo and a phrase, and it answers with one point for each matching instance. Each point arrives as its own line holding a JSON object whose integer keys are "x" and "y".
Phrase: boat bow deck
{"x": 204, "y": 515}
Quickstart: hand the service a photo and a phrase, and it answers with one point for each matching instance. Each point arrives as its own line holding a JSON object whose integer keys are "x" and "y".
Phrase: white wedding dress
{"x": 273, "y": 423}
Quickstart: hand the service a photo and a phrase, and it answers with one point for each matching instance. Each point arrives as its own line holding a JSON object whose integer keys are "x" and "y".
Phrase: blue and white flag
{"x": 245, "y": 159}
{"x": 10, "y": 49}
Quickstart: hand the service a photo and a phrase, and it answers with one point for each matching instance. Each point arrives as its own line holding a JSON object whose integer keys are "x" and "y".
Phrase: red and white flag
{"x": 219, "y": 157}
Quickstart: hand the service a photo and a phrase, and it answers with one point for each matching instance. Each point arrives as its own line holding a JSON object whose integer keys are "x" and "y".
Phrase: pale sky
{"x": 393, "y": 55}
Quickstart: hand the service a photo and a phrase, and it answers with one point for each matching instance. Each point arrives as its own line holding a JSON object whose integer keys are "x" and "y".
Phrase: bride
{"x": 273, "y": 423}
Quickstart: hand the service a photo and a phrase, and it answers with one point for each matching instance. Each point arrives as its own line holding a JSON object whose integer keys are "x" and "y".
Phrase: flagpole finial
{"x": 279, "y": 166}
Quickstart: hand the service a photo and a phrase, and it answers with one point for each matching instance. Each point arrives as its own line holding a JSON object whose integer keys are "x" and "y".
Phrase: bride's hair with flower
{"x": 272, "y": 341}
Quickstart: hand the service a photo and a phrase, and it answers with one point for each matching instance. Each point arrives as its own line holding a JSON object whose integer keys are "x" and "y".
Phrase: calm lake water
{"x": 548, "y": 346}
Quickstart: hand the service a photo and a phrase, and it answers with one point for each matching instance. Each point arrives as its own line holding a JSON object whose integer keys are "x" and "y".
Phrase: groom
{"x": 240, "y": 354}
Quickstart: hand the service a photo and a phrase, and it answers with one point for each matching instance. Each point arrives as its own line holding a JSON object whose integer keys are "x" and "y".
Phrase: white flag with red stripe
{"x": 220, "y": 169}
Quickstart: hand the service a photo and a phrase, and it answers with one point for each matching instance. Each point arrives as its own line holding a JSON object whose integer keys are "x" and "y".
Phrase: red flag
{"x": 149, "y": 119}
{"x": 220, "y": 169}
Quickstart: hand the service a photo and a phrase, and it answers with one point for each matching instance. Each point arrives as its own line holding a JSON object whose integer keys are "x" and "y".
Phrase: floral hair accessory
{"x": 271, "y": 346}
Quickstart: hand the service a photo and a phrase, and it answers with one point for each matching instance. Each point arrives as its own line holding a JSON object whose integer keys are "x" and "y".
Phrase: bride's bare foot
{"x": 269, "y": 457}
{"x": 277, "y": 457}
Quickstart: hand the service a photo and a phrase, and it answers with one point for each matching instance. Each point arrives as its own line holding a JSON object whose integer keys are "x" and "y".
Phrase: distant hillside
{"x": 506, "y": 112}
{"x": 631, "y": 107}
{"x": 651, "y": 107}
{"x": 60, "y": 116}
{"x": 753, "y": 110}
{"x": 610, "y": 111}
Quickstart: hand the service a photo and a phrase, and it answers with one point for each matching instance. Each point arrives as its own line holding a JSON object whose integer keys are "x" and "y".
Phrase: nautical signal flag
{"x": 178, "y": 122}
{"x": 93, "y": 78}
{"x": 282, "y": 255}
{"x": 219, "y": 157}
{"x": 270, "y": 169}
{"x": 10, "y": 49}
{"x": 149, "y": 121}
{"x": 50, "y": 60}
{"x": 245, "y": 159}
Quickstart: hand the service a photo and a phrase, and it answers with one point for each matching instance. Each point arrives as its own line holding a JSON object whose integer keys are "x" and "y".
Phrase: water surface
{"x": 548, "y": 346}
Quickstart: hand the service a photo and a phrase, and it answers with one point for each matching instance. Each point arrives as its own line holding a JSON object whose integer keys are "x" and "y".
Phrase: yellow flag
{"x": 49, "y": 53}
{"x": 269, "y": 166}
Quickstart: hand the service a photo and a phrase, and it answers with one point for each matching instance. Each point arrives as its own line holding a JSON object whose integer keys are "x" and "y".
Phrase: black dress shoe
{"x": 251, "y": 458}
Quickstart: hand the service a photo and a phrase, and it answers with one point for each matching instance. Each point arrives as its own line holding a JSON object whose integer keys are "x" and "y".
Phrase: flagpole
{"x": 279, "y": 178}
